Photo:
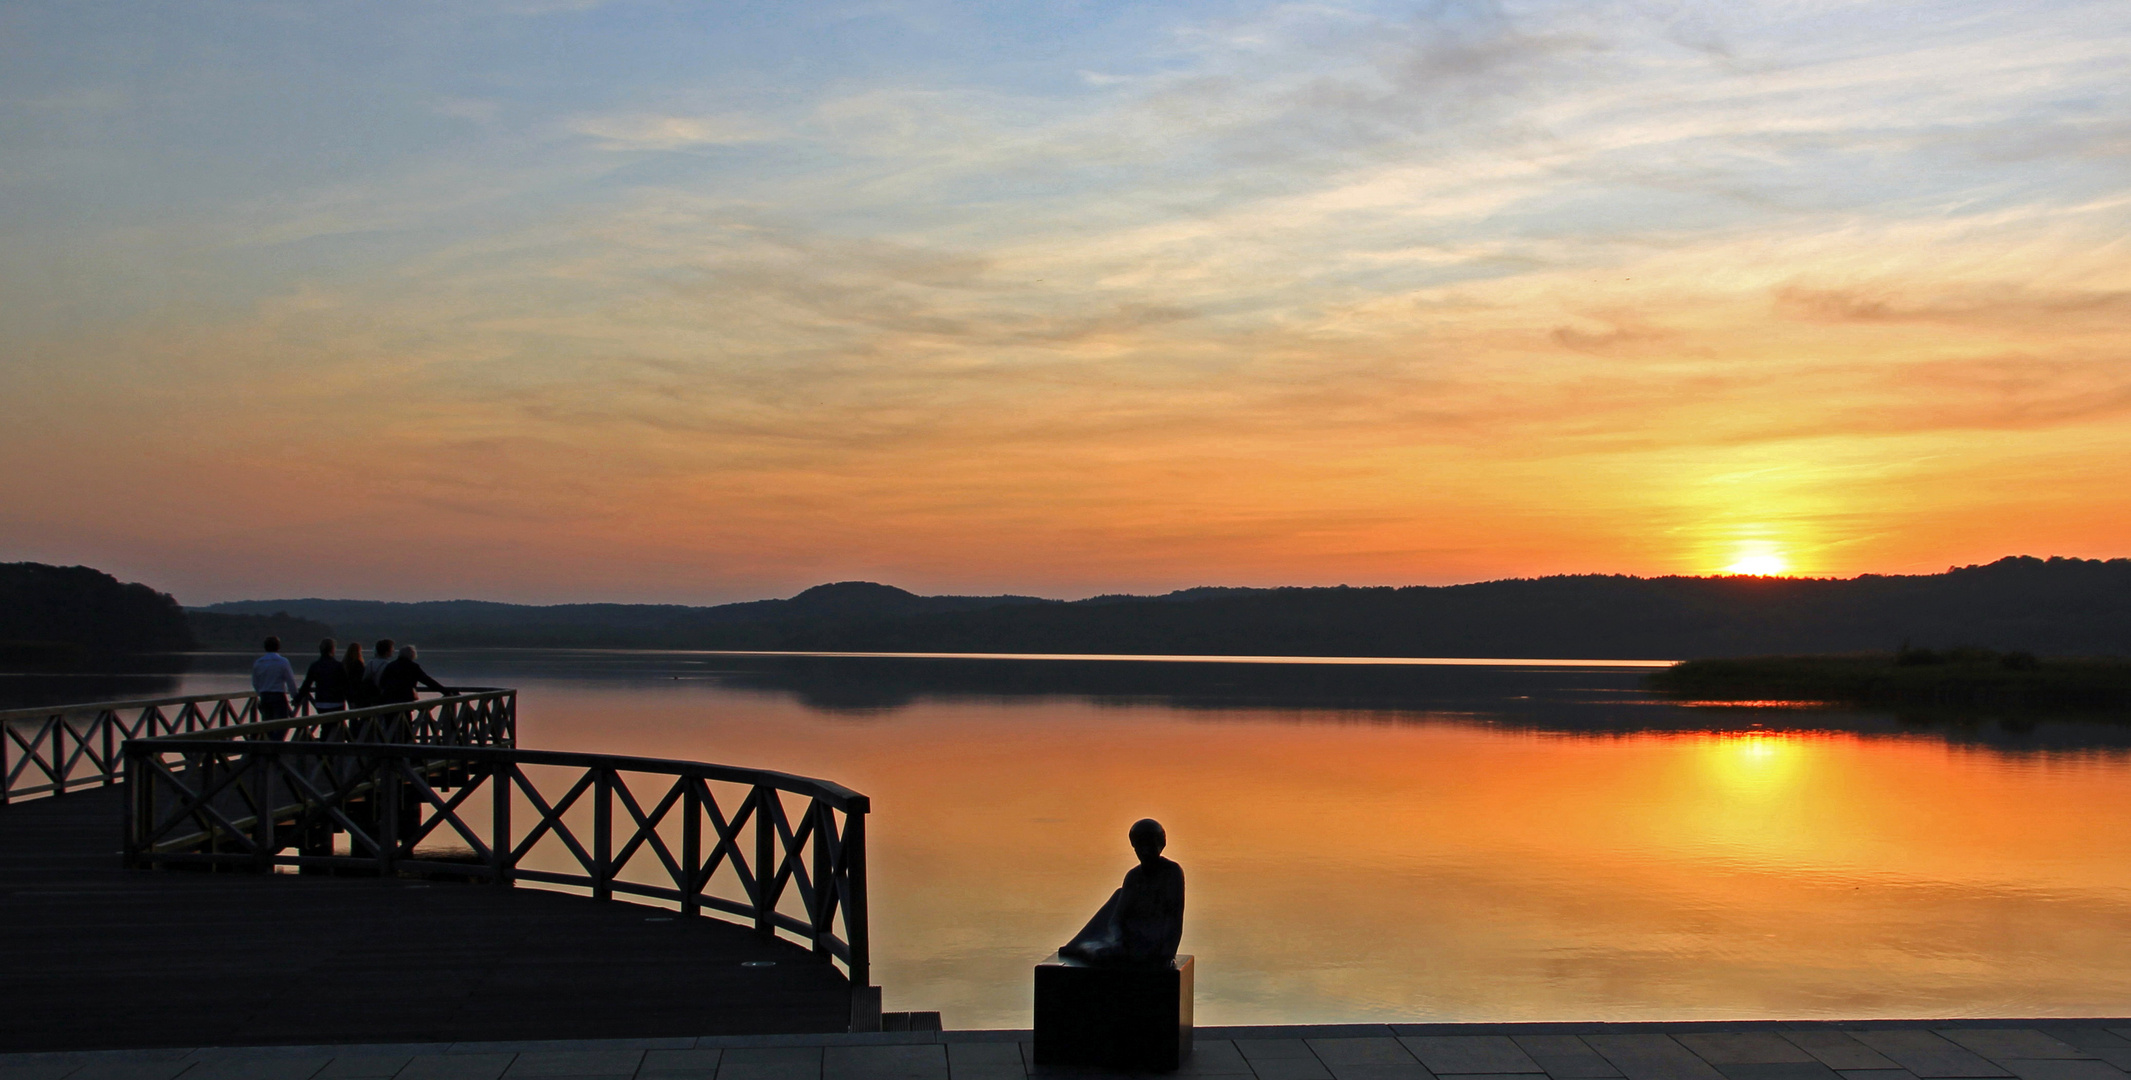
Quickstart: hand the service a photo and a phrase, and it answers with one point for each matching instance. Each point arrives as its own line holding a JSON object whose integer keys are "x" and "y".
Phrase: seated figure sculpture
{"x": 1144, "y": 919}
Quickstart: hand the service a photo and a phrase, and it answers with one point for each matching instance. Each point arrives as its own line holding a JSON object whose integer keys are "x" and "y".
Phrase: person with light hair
{"x": 396, "y": 684}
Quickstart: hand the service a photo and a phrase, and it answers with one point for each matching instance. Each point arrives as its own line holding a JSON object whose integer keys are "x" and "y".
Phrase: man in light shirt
{"x": 378, "y": 660}
{"x": 273, "y": 679}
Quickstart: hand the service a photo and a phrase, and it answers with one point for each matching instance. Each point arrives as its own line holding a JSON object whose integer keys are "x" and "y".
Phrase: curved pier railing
{"x": 53, "y": 750}
{"x": 783, "y": 853}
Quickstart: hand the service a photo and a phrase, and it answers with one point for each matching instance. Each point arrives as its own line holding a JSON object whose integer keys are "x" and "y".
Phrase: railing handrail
{"x": 828, "y": 791}
{"x": 60, "y": 748}
{"x": 90, "y": 708}
{"x": 461, "y": 695}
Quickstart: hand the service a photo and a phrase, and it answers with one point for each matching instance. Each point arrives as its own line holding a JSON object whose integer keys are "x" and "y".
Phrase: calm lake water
{"x": 1429, "y": 842}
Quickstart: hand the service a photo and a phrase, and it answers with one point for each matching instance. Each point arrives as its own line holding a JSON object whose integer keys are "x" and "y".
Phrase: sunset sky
{"x": 552, "y": 301}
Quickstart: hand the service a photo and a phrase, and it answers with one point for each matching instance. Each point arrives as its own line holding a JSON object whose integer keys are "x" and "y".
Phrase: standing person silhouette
{"x": 273, "y": 680}
{"x": 326, "y": 681}
{"x": 396, "y": 683}
{"x": 360, "y": 694}
{"x": 375, "y": 667}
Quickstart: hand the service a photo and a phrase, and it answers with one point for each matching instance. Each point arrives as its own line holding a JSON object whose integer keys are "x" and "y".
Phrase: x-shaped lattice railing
{"x": 51, "y": 751}
{"x": 504, "y": 815}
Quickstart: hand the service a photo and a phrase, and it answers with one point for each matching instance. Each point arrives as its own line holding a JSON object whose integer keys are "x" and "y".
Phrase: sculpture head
{"x": 1148, "y": 839}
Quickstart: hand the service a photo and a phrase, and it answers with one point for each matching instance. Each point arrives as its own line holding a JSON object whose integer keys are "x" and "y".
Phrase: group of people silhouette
{"x": 333, "y": 683}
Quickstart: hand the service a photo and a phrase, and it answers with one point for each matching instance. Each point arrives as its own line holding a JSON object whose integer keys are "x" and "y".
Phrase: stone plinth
{"x": 1134, "y": 1018}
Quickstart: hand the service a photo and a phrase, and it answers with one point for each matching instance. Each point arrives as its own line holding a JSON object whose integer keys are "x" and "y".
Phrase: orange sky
{"x": 701, "y": 310}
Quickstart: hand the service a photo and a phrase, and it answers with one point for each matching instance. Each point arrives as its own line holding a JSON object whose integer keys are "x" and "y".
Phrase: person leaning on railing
{"x": 397, "y": 682}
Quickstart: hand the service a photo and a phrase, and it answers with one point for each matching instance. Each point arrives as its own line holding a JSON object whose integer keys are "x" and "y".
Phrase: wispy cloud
{"x": 1300, "y": 291}
{"x": 654, "y": 131}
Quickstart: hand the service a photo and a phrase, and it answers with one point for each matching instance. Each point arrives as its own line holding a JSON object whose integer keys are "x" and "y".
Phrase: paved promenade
{"x": 1938, "y": 1050}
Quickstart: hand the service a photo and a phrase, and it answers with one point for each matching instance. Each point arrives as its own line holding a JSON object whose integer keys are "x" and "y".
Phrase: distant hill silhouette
{"x": 2047, "y": 606}
{"x": 227, "y": 630}
{"x": 753, "y": 624}
{"x": 55, "y": 616}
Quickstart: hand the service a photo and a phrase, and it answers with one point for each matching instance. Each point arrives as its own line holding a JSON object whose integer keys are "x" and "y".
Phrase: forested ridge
{"x": 58, "y": 611}
{"x": 2053, "y": 606}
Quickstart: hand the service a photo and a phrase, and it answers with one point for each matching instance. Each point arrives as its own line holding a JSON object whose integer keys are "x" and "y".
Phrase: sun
{"x": 1760, "y": 564}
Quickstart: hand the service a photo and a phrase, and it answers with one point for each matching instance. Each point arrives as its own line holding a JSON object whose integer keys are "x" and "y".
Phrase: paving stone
{"x": 1380, "y": 1050}
{"x": 1462, "y": 1055}
{"x": 1838, "y": 1051}
{"x": 265, "y": 1068}
{"x": 1564, "y": 1056}
{"x": 984, "y": 1061}
{"x": 575, "y": 1063}
{"x": 1289, "y": 1068}
{"x": 676, "y": 1063}
{"x": 2089, "y": 1037}
{"x": 1778, "y": 1070}
{"x": 1745, "y": 1048}
{"x": 2119, "y": 1056}
{"x": 2049, "y": 1069}
{"x": 771, "y": 1063}
{"x": 921, "y": 1061}
{"x": 38, "y": 1070}
{"x": 1492, "y": 1076}
{"x": 1257, "y": 1050}
{"x": 1925, "y": 1053}
{"x": 321, "y": 1051}
{"x": 2002, "y": 1043}
{"x": 131, "y": 1069}
{"x": 1876, "y": 1074}
{"x": 1365, "y": 1070}
{"x": 532, "y": 1046}
{"x": 1215, "y": 1057}
{"x": 454, "y": 1067}
{"x": 363, "y": 1066}
{"x": 1652, "y": 1057}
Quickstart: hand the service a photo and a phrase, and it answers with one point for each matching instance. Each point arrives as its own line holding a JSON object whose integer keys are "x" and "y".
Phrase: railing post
{"x": 58, "y": 770}
{"x": 603, "y": 835}
{"x": 865, "y": 997}
{"x": 262, "y": 784}
{"x": 823, "y": 873}
{"x": 386, "y": 793}
{"x": 499, "y": 842}
{"x": 691, "y": 846}
{"x": 140, "y": 811}
{"x": 203, "y": 765}
{"x": 109, "y": 720}
{"x": 765, "y": 860}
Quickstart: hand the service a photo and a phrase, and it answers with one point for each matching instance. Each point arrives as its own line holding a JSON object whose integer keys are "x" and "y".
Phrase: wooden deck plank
{"x": 99, "y": 956}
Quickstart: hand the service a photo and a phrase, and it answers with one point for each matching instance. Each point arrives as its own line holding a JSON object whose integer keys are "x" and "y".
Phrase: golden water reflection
{"x": 1343, "y": 867}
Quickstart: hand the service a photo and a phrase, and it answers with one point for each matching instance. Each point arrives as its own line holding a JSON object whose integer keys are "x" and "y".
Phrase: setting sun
{"x": 1759, "y": 561}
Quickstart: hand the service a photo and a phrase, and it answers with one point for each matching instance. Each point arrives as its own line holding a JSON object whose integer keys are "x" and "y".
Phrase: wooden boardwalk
{"x": 1863, "y": 1050}
{"x": 96, "y": 956}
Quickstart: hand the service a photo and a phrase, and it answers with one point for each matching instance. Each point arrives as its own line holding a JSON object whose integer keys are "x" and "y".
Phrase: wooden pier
{"x": 290, "y": 943}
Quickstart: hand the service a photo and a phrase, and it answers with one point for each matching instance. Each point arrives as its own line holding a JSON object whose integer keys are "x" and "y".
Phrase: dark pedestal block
{"x": 1136, "y": 1018}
